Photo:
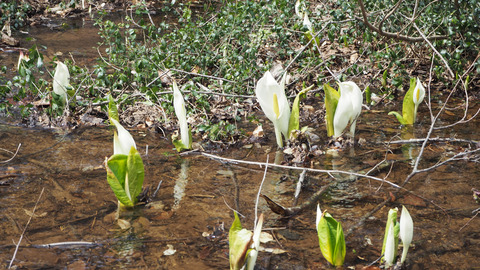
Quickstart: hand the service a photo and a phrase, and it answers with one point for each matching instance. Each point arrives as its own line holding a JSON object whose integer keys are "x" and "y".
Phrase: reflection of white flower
{"x": 274, "y": 103}
{"x": 180, "y": 111}
{"x": 61, "y": 80}
{"x": 348, "y": 108}
{"x": 418, "y": 96}
{"x": 122, "y": 140}
{"x": 406, "y": 231}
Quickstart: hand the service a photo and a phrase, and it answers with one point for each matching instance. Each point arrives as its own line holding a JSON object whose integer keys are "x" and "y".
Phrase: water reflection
{"x": 180, "y": 184}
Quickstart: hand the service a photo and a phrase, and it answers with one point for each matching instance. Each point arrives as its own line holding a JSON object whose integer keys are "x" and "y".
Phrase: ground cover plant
{"x": 234, "y": 59}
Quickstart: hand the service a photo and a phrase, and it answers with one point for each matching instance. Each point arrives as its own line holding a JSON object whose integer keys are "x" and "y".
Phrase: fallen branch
{"x": 236, "y": 161}
{"x": 25, "y": 229}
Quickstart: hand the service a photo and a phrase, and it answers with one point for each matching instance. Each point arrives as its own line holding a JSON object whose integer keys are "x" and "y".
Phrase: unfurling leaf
{"x": 125, "y": 176}
{"x": 331, "y": 101}
{"x": 294, "y": 122}
{"x": 331, "y": 239}
{"x": 239, "y": 240}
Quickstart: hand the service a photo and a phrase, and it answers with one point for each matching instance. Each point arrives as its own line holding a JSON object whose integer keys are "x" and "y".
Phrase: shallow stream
{"x": 191, "y": 212}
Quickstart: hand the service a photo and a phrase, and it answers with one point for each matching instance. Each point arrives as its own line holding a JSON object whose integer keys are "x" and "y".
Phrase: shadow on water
{"x": 191, "y": 213}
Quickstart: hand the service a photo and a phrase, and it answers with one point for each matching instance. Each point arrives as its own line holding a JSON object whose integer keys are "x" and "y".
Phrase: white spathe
{"x": 406, "y": 231}
{"x": 252, "y": 255}
{"x": 307, "y": 23}
{"x": 418, "y": 96}
{"x": 181, "y": 112}
{"x": 348, "y": 108}
{"x": 319, "y": 216}
{"x": 299, "y": 9}
{"x": 61, "y": 80}
{"x": 122, "y": 140}
{"x": 274, "y": 103}
{"x": 390, "y": 247}
{"x": 22, "y": 57}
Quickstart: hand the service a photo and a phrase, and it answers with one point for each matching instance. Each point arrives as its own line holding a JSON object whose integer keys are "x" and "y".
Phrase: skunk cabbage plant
{"x": 22, "y": 58}
{"x": 393, "y": 230}
{"x": 390, "y": 239}
{"x": 330, "y": 238}
{"x": 185, "y": 141}
{"x": 125, "y": 171}
{"x": 342, "y": 108}
{"x": 406, "y": 231}
{"x": 243, "y": 244}
{"x": 61, "y": 82}
{"x": 411, "y": 101}
{"x": 274, "y": 103}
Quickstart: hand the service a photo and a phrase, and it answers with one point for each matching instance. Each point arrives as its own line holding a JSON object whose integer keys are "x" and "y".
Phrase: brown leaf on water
{"x": 275, "y": 207}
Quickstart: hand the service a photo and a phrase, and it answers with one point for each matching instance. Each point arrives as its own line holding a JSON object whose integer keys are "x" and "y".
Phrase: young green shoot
{"x": 243, "y": 244}
{"x": 330, "y": 238}
{"x": 411, "y": 101}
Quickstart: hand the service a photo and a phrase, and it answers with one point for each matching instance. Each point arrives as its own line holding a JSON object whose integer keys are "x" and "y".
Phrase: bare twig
{"x": 236, "y": 161}
{"x": 25, "y": 229}
{"x": 14, "y": 154}
{"x": 433, "y": 48}
{"x": 390, "y": 34}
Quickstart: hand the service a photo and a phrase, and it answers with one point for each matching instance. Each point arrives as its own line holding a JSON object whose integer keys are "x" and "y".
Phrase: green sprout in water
{"x": 330, "y": 238}
{"x": 125, "y": 171}
{"x": 411, "y": 101}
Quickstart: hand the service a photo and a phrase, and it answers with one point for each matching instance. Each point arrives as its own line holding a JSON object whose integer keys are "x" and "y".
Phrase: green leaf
{"x": 399, "y": 117}
{"x": 239, "y": 240}
{"x": 112, "y": 109}
{"x": 116, "y": 172}
{"x": 331, "y": 101}
{"x": 135, "y": 175}
{"x": 368, "y": 95}
{"x": 294, "y": 122}
{"x": 408, "y": 109}
{"x": 331, "y": 240}
{"x": 179, "y": 145}
{"x": 125, "y": 176}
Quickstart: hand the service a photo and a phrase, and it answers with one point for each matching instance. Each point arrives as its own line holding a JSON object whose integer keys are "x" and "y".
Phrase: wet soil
{"x": 191, "y": 211}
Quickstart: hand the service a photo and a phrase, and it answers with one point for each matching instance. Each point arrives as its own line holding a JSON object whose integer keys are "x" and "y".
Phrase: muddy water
{"x": 191, "y": 211}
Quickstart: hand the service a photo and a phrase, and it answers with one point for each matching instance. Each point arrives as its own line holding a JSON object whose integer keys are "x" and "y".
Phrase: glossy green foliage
{"x": 331, "y": 239}
{"x": 294, "y": 122}
{"x": 408, "y": 109}
{"x": 331, "y": 101}
{"x": 239, "y": 241}
{"x": 125, "y": 174}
